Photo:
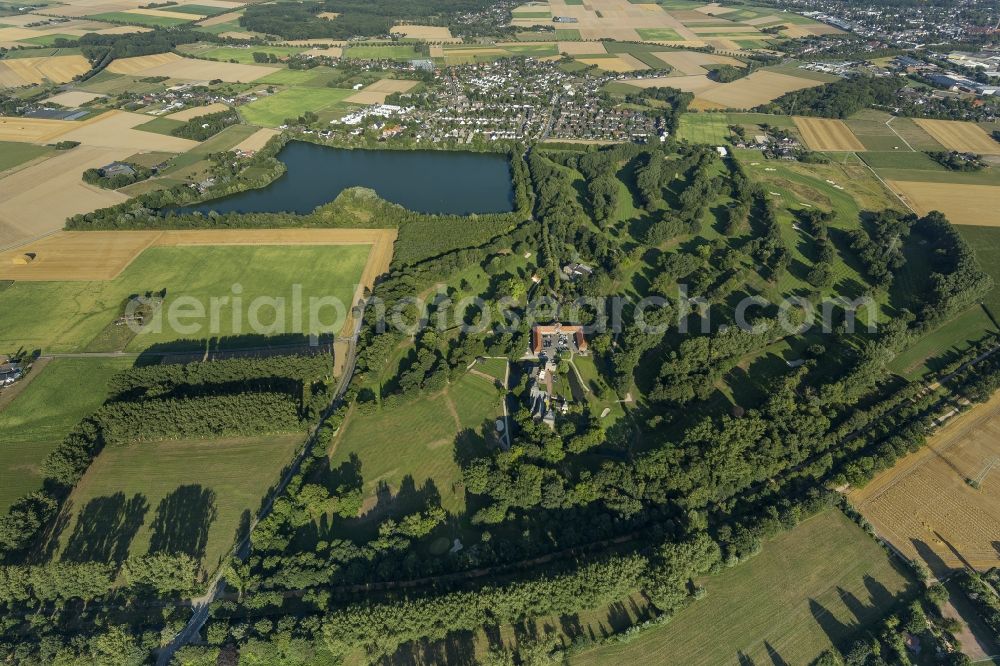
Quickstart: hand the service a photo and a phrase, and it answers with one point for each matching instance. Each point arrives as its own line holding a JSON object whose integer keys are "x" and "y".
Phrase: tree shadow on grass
{"x": 105, "y": 528}
{"x": 182, "y": 521}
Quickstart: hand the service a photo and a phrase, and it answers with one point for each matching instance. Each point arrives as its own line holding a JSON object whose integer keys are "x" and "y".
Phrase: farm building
{"x": 116, "y": 169}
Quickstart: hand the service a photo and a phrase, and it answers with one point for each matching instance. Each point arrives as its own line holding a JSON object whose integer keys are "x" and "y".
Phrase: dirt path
{"x": 8, "y": 394}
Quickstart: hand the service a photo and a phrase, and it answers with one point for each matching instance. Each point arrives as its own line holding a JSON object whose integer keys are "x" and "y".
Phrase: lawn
{"x": 161, "y": 125}
{"x": 986, "y": 242}
{"x": 942, "y": 345}
{"x": 418, "y": 439}
{"x": 317, "y": 77}
{"x": 176, "y": 496}
{"x": 13, "y": 153}
{"x": 74, "y": 313}
{"x": 710, "y": 128}
{"x": 815, "y": 586}
{"x": 50, "y": 405}
{"x": 389, "y": 52}
{"x": 272, "y": 111}
{"x": 141, "y": 19}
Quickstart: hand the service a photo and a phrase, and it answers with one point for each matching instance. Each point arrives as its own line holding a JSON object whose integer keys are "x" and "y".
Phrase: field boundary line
{"x": 888, "y": 124}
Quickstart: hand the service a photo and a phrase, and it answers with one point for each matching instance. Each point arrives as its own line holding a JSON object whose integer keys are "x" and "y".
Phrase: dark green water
{"x": 422, "y": 181}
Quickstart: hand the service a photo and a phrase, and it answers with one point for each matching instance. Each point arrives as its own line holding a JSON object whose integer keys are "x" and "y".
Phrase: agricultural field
{"x": 962, "y": 204}
{"x": 201, "y": 273}
{"x": 941, "y": 346}
{"x": 942, "y": 503}
{"x": 960, "y": 136}
{"x": 710, "y": 128}
{"x": 15, "y": 154}
{"x": 378, "y": 91}
{"x": 811, "y": 588}
{"x": 274, "y": 110}
{"x": 177, "y": 67}
{"x": 695, "y": 62}
{"x": 43, "y": 412}
{"x": 986, "y": 242}
{"x": 827, "y": 135}
{"x": 415, "y": 443}
{"x": 428, "y": 33}
{"x": 388, "y": 52}
{"x": 145, "y": 19}
{"x": 16, "y": 72}
{"x": 758, "y": 88}
{"x": 242, "y": 55}
{"x": 173, "y": 496}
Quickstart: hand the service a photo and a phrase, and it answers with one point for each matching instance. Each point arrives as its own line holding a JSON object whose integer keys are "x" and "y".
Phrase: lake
{"x": 423, "y": 181}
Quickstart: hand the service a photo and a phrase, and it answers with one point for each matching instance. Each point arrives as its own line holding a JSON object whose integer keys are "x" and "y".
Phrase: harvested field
{"x": 140, "y": 64}
{"x": 115, "y": 129}
{"x": 25, "y": 71}
{"x": 961, "y": 136}
{"x": 161, "y": 13}
{"x": 197, "y": 112}
{"x": 758, "y": 88}
{"x": 177, "y": 67}
{"x": 378, "y": 91}
{"x": 38, "y": 199}
{"x": 622, "y": 62}
{"x": 257, "y": 141}
{"x": 582, "y": 48}
{"x": 614, "y": 19}
{"x": 975, "y": 205}
{"x": 74, "y": 98}
{"x": 70, "y": 256}
{"x": 925, "y": 505}
{"x": 695, "y": 62}
{"x": 430, "y": 33}
{"x": 827, "y": 134}
{"x": 33, "y": 130}
{"x": 219, "y": 19}
{"x": 695, "y": 84}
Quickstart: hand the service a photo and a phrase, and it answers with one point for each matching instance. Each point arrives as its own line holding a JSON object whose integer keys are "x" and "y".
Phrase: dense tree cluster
{"x": 117, "y": 180}
{"x": 839, "y": 99}
{"x": 204, "y": 127}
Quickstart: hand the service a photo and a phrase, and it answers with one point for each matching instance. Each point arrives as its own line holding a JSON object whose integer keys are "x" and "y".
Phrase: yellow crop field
{"x": 378, "y": 91}
{"x": 758, "y": 88}
{"x": 622, "y": 62}
{"x": 927, "y": 508}
{"x": 827, "y": 134}
{"x": 962, "y": 204}
{"x": 430, "y": 33}
{"x": 140, "y": 64}
{"x": 257, "y": 140}
{"x": 33, "y": 130}
{"x": 38, "y": 199}
{"x": 961, "y": 136}
{"x": 695, "y": 62}
{"x": 115, "y": 129}
{"x": 25, "y": 71}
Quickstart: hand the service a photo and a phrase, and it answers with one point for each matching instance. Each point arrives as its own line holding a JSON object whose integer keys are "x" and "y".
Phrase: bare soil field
{"x": 103, "y": 255}
{"x": 925, "y": 505}
{"x": 758, "y": 88}
{"x": 257, "y": 140}
{"x": 176, "y": 67}
{"x": 115, "y": 130}
{"x": 198, "y": 111}
{"x": 430, "y": 33}
{"x": 73, "y": 98}
{"x": 827, "y": 134}
{"x": 961, "y": 136}
{"x": 25, "y": 71}
{"x": 38, "y": 199}
{"x": 975, "y": 205}
{"x": 695, "y": 62}
{"x": 378, "y": 91}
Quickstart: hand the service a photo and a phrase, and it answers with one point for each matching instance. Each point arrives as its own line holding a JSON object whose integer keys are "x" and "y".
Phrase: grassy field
{"x": 810, "y": 588}
{"x": 418, "y": 439}
{"x": 389, "y": 52}
{"x": 76, "y": 312}
{"x": 711, "y": 128}
{"x": 274, "y": 110}
{"x": 161, "y": 125}
{"x": 936, "y": 349}
{"x": 986, "y": 242}
{"x": 141, "y": 19}
{"x": 245, "y": 56}
{"x": 659, "y": 34}
{"x": 13, "y": 153}
{"x": 47, "y": 409}
{"x": 176, "y": 496}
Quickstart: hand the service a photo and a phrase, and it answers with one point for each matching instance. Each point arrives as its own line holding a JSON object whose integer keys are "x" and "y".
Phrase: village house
{"x": 558, "y": 338}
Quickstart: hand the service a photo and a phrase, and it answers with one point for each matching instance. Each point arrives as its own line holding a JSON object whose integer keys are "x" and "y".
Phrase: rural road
{"x": 201, "y": 605}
